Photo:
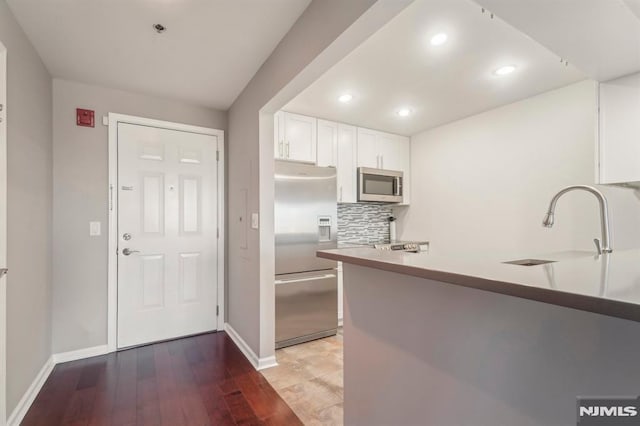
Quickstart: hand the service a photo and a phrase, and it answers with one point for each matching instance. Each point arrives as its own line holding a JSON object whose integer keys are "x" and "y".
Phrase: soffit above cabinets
{"x": 599, "y": 37}
{"x": 398, "y": 67}
{"x": 208, "y": 53}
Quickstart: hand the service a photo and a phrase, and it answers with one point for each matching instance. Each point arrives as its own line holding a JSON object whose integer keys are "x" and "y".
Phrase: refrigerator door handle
{"x": 299, "y": 280}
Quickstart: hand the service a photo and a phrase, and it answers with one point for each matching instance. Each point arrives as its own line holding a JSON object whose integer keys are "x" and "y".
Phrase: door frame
{"x": 3, "y": 234}
{"x": 112, "y": 201}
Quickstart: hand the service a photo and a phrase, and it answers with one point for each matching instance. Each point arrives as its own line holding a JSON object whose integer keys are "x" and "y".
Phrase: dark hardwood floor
{"x": 200, "y": 380}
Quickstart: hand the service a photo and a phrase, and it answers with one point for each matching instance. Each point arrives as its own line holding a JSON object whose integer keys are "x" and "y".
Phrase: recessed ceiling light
{"x": 504, "y": 70}
{"x": 404, "y": 112}
{"x": 345, "y": 98}
{"x": 439, "y": 39}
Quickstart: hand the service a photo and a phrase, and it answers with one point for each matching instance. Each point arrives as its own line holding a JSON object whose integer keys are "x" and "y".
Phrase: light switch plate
{"x": 255, "y": 220}
{"x": 105, "y": 120}
{"x": 94, "y": 229}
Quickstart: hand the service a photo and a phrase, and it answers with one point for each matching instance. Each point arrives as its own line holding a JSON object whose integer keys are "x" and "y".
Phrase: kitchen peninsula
{"x": 477, "y": 341}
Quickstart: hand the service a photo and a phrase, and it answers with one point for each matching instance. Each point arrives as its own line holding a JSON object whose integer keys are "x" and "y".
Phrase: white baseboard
{"x": 80, "y": 354}
{"x": 257, "y": 362}
{"x": 30, "y": 395}
{"x": 267, "y": 362}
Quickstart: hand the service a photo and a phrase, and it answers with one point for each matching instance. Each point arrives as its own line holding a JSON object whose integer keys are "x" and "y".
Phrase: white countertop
{"x": 607, "y": 284}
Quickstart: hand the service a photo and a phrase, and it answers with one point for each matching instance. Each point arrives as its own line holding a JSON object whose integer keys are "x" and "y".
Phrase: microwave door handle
{"x": 396, "y": 186}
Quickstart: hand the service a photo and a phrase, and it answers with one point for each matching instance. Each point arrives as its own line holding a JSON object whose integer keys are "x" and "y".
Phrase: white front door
{"x": 167, "y": 232}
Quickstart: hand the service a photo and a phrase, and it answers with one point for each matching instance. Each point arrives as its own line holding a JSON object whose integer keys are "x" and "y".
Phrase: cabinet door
{"x": 327, "y": 143}
{"x": 300, "y": 137}
{"x": 278, "y": 135}
{"x": 620, "y": 130}
{"x": 347, "y": 165}
{"x": 368, "y": 154}
{"x": 388, "y": 148}
{"x": 395, "y": 154}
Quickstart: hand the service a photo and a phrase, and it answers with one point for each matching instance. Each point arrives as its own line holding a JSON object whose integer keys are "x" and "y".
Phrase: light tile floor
{"x": 309, "y": 378}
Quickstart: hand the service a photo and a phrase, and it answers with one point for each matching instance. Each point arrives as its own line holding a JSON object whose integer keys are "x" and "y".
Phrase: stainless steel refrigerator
{"x": 305, "y": 221}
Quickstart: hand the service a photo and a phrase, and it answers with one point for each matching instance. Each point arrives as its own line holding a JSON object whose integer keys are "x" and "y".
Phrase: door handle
{"x": 3, "y": 272}
{"x": 128, "y": 251}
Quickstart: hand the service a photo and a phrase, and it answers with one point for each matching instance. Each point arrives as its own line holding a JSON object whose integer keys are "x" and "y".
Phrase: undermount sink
{"x": 529, "y": 262}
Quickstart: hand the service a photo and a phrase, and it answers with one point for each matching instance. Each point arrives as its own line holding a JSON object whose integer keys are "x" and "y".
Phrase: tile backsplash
{"x": 364, "y": 223}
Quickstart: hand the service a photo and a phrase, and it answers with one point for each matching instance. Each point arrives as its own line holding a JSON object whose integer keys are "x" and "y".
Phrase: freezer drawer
{"x": 306, "y": 306}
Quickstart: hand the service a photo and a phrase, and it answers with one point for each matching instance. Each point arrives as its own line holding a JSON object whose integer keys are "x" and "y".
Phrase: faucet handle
{"x": 597, "y": 243}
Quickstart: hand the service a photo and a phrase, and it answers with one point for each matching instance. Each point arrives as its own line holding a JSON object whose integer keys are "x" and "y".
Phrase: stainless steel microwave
{"x": 384, "y": 186}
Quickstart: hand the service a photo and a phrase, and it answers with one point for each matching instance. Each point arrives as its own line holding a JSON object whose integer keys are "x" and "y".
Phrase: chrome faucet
{"x": 604, "y": 214}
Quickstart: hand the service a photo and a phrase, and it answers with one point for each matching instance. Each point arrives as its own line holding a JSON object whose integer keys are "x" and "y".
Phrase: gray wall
{"x": 449, "y": 355}
{"x": 307, "y": 50}
{"x": 80, "y": 186}
{"x": 29, "y": 210}
{"x": 505, "y": 165}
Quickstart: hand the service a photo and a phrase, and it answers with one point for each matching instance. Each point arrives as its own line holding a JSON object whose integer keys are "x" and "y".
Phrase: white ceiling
{"x": 398, "y": 67}
{"x": 208, "y": 54}
{"x": 600, "y": 37}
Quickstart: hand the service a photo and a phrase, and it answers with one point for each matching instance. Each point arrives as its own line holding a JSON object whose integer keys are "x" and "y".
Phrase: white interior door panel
{"x": 167, "y": 231}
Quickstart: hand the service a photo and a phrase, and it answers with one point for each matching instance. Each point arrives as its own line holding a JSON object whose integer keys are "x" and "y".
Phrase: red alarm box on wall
{"x": 85, "y": 117}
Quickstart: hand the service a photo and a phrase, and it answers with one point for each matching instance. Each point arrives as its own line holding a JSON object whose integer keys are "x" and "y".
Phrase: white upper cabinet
{"x": 295, "y": 137}
{"x": 619, "y": 130}
{"x": 382, "y": 150}
{"x": 347, "y": 165}
{"x": 368, "y": 153}
{"x": 386, "y": 151}
{"x": 345, "y": 147}
{"x": 327, "y": 143}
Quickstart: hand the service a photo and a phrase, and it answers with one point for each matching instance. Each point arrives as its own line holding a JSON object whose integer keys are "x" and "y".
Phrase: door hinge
{"x": 110, "y": 197}
{"x": 217, "y": 155}
{"x": 217, "y": 310}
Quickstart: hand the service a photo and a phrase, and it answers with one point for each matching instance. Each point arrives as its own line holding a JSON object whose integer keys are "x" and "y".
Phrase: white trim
{"x": 30, "y": 395}
{"x": 112, "y": 279}
{"x": 80, "y": 354}
{"x": 221, "y": 233}
{"x": 3, "y": 233}
{"x": 257, "y": 362}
